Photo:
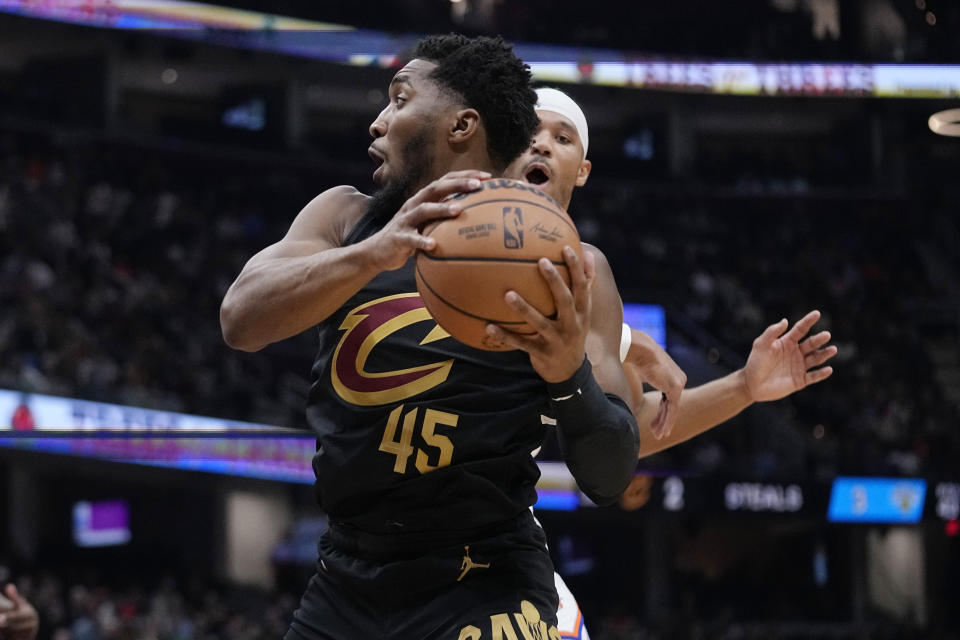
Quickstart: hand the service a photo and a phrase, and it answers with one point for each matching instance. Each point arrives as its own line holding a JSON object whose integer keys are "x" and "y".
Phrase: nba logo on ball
{"x": 512, "y": 228}
{"x": 463, "y": 281}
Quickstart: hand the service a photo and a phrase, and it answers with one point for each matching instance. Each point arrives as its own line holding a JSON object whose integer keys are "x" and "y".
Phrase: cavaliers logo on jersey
{"x": 368, "y": 325}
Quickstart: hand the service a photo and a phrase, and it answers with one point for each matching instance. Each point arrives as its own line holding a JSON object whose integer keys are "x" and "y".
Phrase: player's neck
{"x": 477, "y": 159}
{"x": 458, "y": 162}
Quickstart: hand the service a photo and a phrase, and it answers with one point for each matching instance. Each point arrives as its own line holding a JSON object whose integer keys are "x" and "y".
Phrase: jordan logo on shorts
{"x": 470, "y": 564}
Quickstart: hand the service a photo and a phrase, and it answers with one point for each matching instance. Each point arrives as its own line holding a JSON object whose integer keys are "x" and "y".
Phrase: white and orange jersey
{"x": 569, "y": 619}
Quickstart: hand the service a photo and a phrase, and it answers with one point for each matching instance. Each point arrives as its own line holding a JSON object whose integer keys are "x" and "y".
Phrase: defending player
{"x": 781, "y": 362}
{"x": 423, "y": 461}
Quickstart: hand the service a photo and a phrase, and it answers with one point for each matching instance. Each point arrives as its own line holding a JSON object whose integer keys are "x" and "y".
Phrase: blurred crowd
{"x": 728, "y": 267}
{"x": 114, "y": 257}
{"x": 113, "y": 262}
{"x": 86, "y": 608}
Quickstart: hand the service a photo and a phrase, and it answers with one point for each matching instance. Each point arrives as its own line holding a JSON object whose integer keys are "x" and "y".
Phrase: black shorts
{"x": 495, "y": 583}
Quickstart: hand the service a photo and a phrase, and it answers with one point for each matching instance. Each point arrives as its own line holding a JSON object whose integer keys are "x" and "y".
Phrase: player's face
{"x": 554, "y": 160}
{"x": 405, "y": 132}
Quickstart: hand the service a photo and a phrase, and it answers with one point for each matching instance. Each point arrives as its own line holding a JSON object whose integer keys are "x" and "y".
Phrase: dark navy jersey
{"x": 416, "y": 430}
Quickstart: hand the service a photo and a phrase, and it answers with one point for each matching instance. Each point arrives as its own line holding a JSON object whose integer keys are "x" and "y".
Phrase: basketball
{"x": 492, "y": 247}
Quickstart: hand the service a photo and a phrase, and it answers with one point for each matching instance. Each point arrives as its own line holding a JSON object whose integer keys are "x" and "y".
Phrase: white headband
{"x": 559, "y": 102}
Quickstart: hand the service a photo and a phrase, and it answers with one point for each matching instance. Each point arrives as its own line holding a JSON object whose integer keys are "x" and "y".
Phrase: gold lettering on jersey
{"x": 399, "y": 444}
{"x": 399, "y": 447}
{"x": 365, "y": 327}
{"x": 501, "y": 628}
{"x": 529, "y": 622}
{"x": 504, "y": 626}
{"x": 431, "y": 419}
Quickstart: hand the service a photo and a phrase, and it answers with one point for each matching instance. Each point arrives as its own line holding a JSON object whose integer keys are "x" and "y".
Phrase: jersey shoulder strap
{"x": 368, "y": 225}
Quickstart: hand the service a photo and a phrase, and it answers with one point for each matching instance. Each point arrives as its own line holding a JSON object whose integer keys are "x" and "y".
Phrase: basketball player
{"x": 424, "y": 444}
{"x": 780, "y": 363}
{"x": 18, "y": 618}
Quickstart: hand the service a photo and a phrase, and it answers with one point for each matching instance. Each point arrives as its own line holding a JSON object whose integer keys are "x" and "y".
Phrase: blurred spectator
{"x": 18, "y": 618}
{"x": 95, "y": 611}
{"x": 172, "y": 611}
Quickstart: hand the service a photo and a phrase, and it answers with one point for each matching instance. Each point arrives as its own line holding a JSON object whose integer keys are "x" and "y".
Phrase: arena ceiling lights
{"x": 348, "y": 45}
{"x": 160, "y": 15}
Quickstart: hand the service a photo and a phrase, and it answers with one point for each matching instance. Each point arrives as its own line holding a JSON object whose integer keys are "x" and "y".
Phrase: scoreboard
{"x": 844, "y": 499}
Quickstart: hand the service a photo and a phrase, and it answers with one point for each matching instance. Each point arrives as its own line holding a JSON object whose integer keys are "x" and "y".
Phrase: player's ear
{"x": 465, "y": 125}
{"x": 583, "y": 172}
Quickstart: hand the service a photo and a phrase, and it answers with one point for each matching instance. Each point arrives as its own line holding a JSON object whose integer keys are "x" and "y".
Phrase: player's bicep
{"x": 322, "y": 224}
{"x": 606, "y": 330}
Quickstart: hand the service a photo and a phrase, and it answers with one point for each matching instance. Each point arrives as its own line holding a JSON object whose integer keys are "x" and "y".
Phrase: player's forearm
{"x": 701, "y": 408}
{"x": 643, "y": 408}
{"x": 277, "y": 298}
{"x": 598, "y": 436}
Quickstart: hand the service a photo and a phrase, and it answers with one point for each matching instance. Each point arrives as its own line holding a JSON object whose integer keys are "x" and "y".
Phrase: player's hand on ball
{"x": 400, "y": 238}
{"x": 557, "y": 348}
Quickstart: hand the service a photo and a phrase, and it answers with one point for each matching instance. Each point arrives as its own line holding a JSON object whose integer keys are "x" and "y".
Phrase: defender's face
{"x": 403, "y": 132}
{"x": 554, "y": 160}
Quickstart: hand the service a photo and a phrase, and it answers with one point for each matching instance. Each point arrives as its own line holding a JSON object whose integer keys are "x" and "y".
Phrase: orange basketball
{"x": 493, "y": 246}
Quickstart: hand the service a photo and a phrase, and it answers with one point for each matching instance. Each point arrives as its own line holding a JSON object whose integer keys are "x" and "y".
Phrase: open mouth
{"x": 536, "y": 175}
{"x": 376, "y": 156}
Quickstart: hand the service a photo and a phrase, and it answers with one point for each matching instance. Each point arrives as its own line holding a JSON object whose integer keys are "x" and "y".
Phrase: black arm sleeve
{"x": 598, "y": 435}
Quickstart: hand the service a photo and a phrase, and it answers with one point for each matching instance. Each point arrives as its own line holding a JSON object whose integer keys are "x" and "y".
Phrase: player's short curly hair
{"x": 491, "y": 79}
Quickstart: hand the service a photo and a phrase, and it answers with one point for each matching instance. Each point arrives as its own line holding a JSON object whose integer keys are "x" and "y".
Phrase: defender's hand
{"x": 557, "y": 348}
{"x": 655, "y": 367}
{"x": 781, "y": 362}
{"x": 393, "y": 245}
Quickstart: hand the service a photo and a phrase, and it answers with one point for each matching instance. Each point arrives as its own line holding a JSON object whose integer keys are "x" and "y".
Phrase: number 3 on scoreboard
{"x": 401, "y": 447}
